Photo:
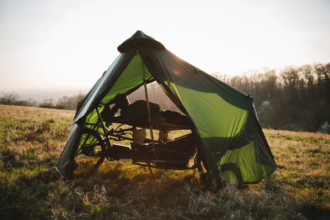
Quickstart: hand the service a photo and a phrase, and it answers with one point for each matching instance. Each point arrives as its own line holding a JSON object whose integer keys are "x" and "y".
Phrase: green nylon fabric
{"x": 131, "y": 77}
{"x": 223, "y": 116}
{"x": 91, "y": 122}
{"x": 217, "y": 133}
{"x": 230, "y": 135}
{"x": 86, "y": 109}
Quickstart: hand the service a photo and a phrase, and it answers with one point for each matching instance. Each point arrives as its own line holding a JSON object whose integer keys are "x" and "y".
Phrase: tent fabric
{"x": 223, "y": 116}
{"x": 139, "y": 39}
{"x": 229, "y": 134}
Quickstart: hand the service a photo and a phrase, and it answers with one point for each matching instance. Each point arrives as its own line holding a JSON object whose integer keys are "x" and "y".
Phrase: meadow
{"x": 32, "y": 139}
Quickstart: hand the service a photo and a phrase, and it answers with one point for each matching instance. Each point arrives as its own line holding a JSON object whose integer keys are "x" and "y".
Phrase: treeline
{"x": 11, "y": 98}
{"x": 291, "y": 98}
{"x": 155, "y": 93}
{"x": 66, "y": 102}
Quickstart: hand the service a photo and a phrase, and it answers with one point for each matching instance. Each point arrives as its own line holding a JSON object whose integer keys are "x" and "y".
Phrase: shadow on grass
{"x": 312, "y": 212}
{"x": 41, "y": 177}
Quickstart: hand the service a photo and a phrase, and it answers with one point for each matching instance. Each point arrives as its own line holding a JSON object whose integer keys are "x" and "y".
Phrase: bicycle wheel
{"x": 93, "y": 143}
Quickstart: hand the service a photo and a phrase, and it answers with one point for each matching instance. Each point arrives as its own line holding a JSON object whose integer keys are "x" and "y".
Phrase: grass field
{"x": 32, "y": 140}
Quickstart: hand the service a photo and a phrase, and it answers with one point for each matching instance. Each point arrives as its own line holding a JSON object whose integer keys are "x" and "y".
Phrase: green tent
{"x": 228, "y": 132}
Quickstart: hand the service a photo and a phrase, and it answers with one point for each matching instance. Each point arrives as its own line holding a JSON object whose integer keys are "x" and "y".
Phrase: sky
{"x": 68, "y": 44}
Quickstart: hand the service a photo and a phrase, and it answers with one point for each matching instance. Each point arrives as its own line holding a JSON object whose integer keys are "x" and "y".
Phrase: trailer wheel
{"x": 93, "y": 143}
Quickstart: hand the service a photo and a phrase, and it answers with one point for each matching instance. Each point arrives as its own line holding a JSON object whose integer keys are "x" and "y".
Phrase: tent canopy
{"x": 224, "y": 118}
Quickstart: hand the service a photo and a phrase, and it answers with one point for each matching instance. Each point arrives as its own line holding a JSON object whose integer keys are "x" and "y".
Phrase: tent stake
{"x": 151, "y": 172}
{"x": 148, "y": 108}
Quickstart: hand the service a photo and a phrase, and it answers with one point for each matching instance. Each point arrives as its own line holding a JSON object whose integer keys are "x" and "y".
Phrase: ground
{"x": 32, "y": 140}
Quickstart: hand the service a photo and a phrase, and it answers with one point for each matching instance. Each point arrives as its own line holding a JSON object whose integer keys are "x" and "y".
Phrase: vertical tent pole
{"x": 148, "y": 108}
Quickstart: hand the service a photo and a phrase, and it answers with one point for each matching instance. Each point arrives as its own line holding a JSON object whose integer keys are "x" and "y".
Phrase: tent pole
{"x": 148, "y": 108}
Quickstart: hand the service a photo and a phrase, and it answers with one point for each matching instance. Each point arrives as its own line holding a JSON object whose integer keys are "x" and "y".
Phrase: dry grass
{"x": 32, "y": 140}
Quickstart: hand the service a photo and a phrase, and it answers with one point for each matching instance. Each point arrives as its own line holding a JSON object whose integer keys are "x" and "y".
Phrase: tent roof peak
{"x": 140, "y": 39}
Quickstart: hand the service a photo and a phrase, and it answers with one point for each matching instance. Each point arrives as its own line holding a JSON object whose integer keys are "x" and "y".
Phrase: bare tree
{"x": 308, "y": 77}
{"x": 315, "y": 115}
{"x": 323, "y": 73}
{"x": 63, "y": 102}
{"x": 274, "y": 113}
{"x": 9, "y": 98}
{"x": 290, "y": 77}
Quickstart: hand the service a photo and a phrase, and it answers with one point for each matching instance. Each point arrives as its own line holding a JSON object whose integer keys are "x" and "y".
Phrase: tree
{"x": 9, "y": 98}
{"x": 274, "y": 113}
{"x": 315, "y": 115}
{"x": 290, "y": 78}
{"x": 309, "y": 78}
{"x": 323, "y": 73}
{"x": 63, "y": 102}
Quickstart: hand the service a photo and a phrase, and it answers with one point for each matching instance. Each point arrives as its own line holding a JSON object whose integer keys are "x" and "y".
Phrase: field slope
{"x": 32, "y": 139}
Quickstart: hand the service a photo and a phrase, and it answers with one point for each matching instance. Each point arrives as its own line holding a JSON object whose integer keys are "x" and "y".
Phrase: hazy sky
{"x": 68, "y": 44}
